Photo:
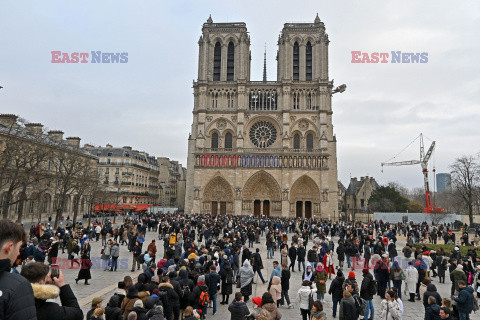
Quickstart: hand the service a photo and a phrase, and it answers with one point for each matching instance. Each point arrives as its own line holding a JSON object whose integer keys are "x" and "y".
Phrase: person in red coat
{"x": 328, "y": 264}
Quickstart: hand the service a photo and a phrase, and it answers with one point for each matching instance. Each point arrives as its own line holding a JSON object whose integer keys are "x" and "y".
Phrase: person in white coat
{"x": 303, "y": 296}
{"x": 390, "y": 308}
{"x": 411, "y": 279}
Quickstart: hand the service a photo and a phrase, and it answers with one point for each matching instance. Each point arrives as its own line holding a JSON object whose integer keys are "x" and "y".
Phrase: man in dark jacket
{"x": 341, "y": 254}
{"x": 431, "y": 292}
{"x": 432, "y": 312}
{"x": 16, "y": 301}
{"x": 367, "y": 291}
{"x": 336, "y": 290}
{"x": 197, "y": 292}
{"x": 257, "y": 264}
{"x": 301, "y": 252}
{"x": 238, "y": 308}
{"x": 47, "y": 287}
{"x": 464, "y": 301}
{"x": 312, "y": 257}
{"x": 292, "y": 253}
{"x": 212, "y": 281}
{"x": 112, "y": 310}
{"x": 171, "y": 295}
{"x": 285, "y": 282}
{"x": 178, "y": 289}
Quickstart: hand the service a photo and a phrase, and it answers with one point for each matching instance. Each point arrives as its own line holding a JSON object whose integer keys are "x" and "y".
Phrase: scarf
{"x": 317, "y": 314}
{"x": 308, "y": 276}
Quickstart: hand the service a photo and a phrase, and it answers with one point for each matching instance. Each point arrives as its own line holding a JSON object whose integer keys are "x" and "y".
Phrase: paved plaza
{"x": 103, "y": 282}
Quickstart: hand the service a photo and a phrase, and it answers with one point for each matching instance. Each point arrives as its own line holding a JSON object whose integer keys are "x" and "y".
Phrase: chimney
{"x": 87, "y": 145}
{"x": 34, "y": 128}
{"x": 56, "y": 135}
{"x": 74, "y": 141}
{"x": 362, "y": 178}
{"x": 128, "y": 148}
{"x": 109, "y": 146}
{"x": 8, "y": 120}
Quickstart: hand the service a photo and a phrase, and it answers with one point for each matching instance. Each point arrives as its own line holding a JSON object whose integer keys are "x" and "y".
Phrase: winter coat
{"x": 411, "y": 279}
{"x": 197, "y": 291}
{"x": 432, "y": 312}
{"x": 213, "y": 279}
{"x": 127, "y": 305}
{"x": 141, "y": 313}
{"x": 257, "y": 263}
{"x": 69, "y": 310}
{"x": 312, "y": 256}
{"x": 115, "y": 251}
{"x": 292, "y": 253}
{"x": 465, "y": 300}
{"x": 341, "y": 252}
{"x": 285, "y": 279}
{"x": 276, "y": 289}
{"x": 431, "y": 292}
{"x": 284, "y": 254}
{"x": 336, "y": 287}
{"x": 272, "y": 308}
{"x": 301, "y": 254}
{"x": 227, "y": 279}
{"x": 456, "y": 276}
{"x": 366, "y": 287}
{"x": 112, "y": 310}
{"x": 238, "y": 310}
{"x": 303, "y": 294}
{"x": 16, "y": 301}
{"x": 390, "y": 310}
{"x": 317, "y": 277}
{"x": 173, "y": 298}
{"x": 348, "y": 311}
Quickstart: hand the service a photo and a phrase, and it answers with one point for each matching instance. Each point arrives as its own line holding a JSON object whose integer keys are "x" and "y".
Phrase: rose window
{"x": 263, "y": 134}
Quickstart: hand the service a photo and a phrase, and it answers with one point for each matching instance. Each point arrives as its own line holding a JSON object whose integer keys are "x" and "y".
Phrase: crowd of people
{"x": 200, "y": 258}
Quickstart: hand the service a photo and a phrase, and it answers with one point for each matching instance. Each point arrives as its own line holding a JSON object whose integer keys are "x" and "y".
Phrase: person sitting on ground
{"x": 46, "y": 287}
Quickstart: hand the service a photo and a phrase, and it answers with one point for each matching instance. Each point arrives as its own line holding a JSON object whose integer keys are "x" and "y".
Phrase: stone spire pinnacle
{"x": 265, "y": 64}
{"x": 317, "y": 19}
{"x": 210, "y": 20}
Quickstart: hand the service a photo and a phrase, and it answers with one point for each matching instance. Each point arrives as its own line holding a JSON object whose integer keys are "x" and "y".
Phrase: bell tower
{"x": 303, "y": 52}
{"x": 224, "y": 52}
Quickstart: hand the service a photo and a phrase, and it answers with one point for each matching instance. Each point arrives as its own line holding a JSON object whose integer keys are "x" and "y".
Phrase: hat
{"x": 132, "y": 291}
{"x": 201, "y": 278}
{"x": 457, "y": 249}
{"x": 427, "y": 252}
{"x": 365, "y": 271}
{"x": 351, "y": 275}
{"x": 96, "y": 301}
{"x": 257, "y": 301}
{"x": 52, "y": 238}
{"x": 155, "y": 291}
{"x": 225, "y": 257}
{"x": 138, "y": 303}
{"x": 384, "y": 255}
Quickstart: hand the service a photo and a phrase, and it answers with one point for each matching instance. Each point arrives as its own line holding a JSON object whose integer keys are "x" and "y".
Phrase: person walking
{"x": 336, "y": 291}
{"x": 84, "y": 273}
{"x": 292, "y": 254}
{"x": 106, "y": 255}
{"x": 137, "y": 251}
{"x": 368, "y": 289}
{"x": 320, "y": 278}
{"x": 227, "y": 278}
{"x": 301, "y": 252}
{"x": 285, "y": 286}
{"x": 411, "y": 280}
{"x": 348, "y": 311}
{"x": 464, "y": 300}
{"x": 390, "y": 307}
{"x": 257, "y": 264}
{"x": 246, "y": 279}
{"x": 397, "y": 276}
{"x": 284, "y": 255}
{"x": 303, "y": 295}
{"x": 115, "y": 252}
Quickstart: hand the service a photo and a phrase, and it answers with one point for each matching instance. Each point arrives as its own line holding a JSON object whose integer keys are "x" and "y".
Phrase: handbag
{"x": 310, "y": 300}
{"x": 239, "y": 285}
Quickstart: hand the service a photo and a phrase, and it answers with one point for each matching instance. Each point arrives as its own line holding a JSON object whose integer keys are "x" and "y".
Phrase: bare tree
{"x": 87, "y": 180}
{"x": 465, "y": 181}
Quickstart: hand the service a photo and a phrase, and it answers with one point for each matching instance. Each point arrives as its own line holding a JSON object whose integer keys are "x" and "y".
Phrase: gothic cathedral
{"x": 262, "y": 147}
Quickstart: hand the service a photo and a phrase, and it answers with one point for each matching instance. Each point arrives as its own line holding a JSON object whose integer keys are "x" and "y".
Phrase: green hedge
{"x": 447, "y": 247}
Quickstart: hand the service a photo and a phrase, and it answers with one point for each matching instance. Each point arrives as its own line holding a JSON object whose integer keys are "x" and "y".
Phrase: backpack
{"x": 185, "y": 291}
{"x": 372, "y": 290}
{"x": 360, "y": 305}
{"x": 141, "y": 258}
{"x": 204, "y": 298}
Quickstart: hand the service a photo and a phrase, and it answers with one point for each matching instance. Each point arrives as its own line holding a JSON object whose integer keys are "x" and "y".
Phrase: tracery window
{"x": 296, "y": 61}
{"x": 263, "y": 134}
{"x": 230, "y": 61}
{"x": 214, "y": 140}
{"x": 228, "y": 140}
{"x": 296, "y": 141}
{"x": 309, "y": 141}
{"x": 308, "y": 62}
{"x": 217, "y": 61}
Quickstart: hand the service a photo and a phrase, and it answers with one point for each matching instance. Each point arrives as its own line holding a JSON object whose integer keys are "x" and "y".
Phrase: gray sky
{"x": 147, "y": 102}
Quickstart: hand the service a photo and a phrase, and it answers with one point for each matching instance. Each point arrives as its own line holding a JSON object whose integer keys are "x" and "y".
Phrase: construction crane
{"x": 424, "y": 157}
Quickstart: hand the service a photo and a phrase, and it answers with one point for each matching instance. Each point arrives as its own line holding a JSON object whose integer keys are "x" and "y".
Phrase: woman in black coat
{"x": 227, "y": 282}
{"x": 112, "y": 310}
{"x": 84, "y": 273}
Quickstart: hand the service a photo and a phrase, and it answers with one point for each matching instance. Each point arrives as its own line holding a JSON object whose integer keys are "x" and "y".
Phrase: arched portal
{"x": 305, "y": 196}
{"x": 217, "y": 197}
{"x": 262, "y": 193}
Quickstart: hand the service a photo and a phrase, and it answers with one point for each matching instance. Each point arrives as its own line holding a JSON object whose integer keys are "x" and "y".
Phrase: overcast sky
{"x": 147, "y": 102}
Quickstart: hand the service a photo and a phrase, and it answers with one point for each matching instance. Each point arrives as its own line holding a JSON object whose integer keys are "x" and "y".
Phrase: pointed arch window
{"x": 215, "y": 140}
{"x": 296, "y": 141}
{"x": 217, "y": 61}
{"x": 296, "y": 61}
{"x": 228, "y": 141}
{"x": 309, "y": 141}
{"x": 230, "y": 61}
{"x": 308, "y": 62}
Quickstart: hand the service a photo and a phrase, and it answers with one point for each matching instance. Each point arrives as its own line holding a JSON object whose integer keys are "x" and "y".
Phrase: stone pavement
{"x": 103, "y": 283}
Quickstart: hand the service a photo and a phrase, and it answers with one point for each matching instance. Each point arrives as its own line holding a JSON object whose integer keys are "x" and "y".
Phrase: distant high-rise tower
{"x": 444, "y": 182}
{"x": 258, "y": 147}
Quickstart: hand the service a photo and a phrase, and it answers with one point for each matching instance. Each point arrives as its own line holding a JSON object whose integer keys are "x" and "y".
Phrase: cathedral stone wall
{"x": 262, "y": 147}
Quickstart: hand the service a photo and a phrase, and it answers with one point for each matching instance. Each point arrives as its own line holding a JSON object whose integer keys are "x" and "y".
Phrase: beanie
{"x": 351, "y": 275}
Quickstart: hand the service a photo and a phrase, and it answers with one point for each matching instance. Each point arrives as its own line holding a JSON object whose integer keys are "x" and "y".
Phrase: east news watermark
{"x": 89, "y": 57}
{"x": 389, "y": 57}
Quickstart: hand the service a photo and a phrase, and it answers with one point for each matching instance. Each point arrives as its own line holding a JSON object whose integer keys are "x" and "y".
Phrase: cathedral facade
{"x": 262, "y": 147}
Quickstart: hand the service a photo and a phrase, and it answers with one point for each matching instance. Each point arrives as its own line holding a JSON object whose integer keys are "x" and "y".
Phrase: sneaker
{"x": 290, "y": 306}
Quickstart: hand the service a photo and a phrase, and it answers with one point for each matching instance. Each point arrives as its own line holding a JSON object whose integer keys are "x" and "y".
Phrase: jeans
{"x": 292, "y": 265}
{"x": 260, "y": 275}
{"x": 320, "y": 296}
{"x": 214, "y": 301}
{"x": 250, "y": 243}
{"x": 285, "y": 297}
{"x": 335, "y": 302}
{"x": 270, "y": 252}
{"x": 114, "y": 263}
{"x": 369, "y": 311}
{"x": 303, "y": 263}
{"x": 463, "y": 316}
{"x": 313, "y": 264}
{"x": 349, "y": 264}
{"x": 398, "y": 284}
